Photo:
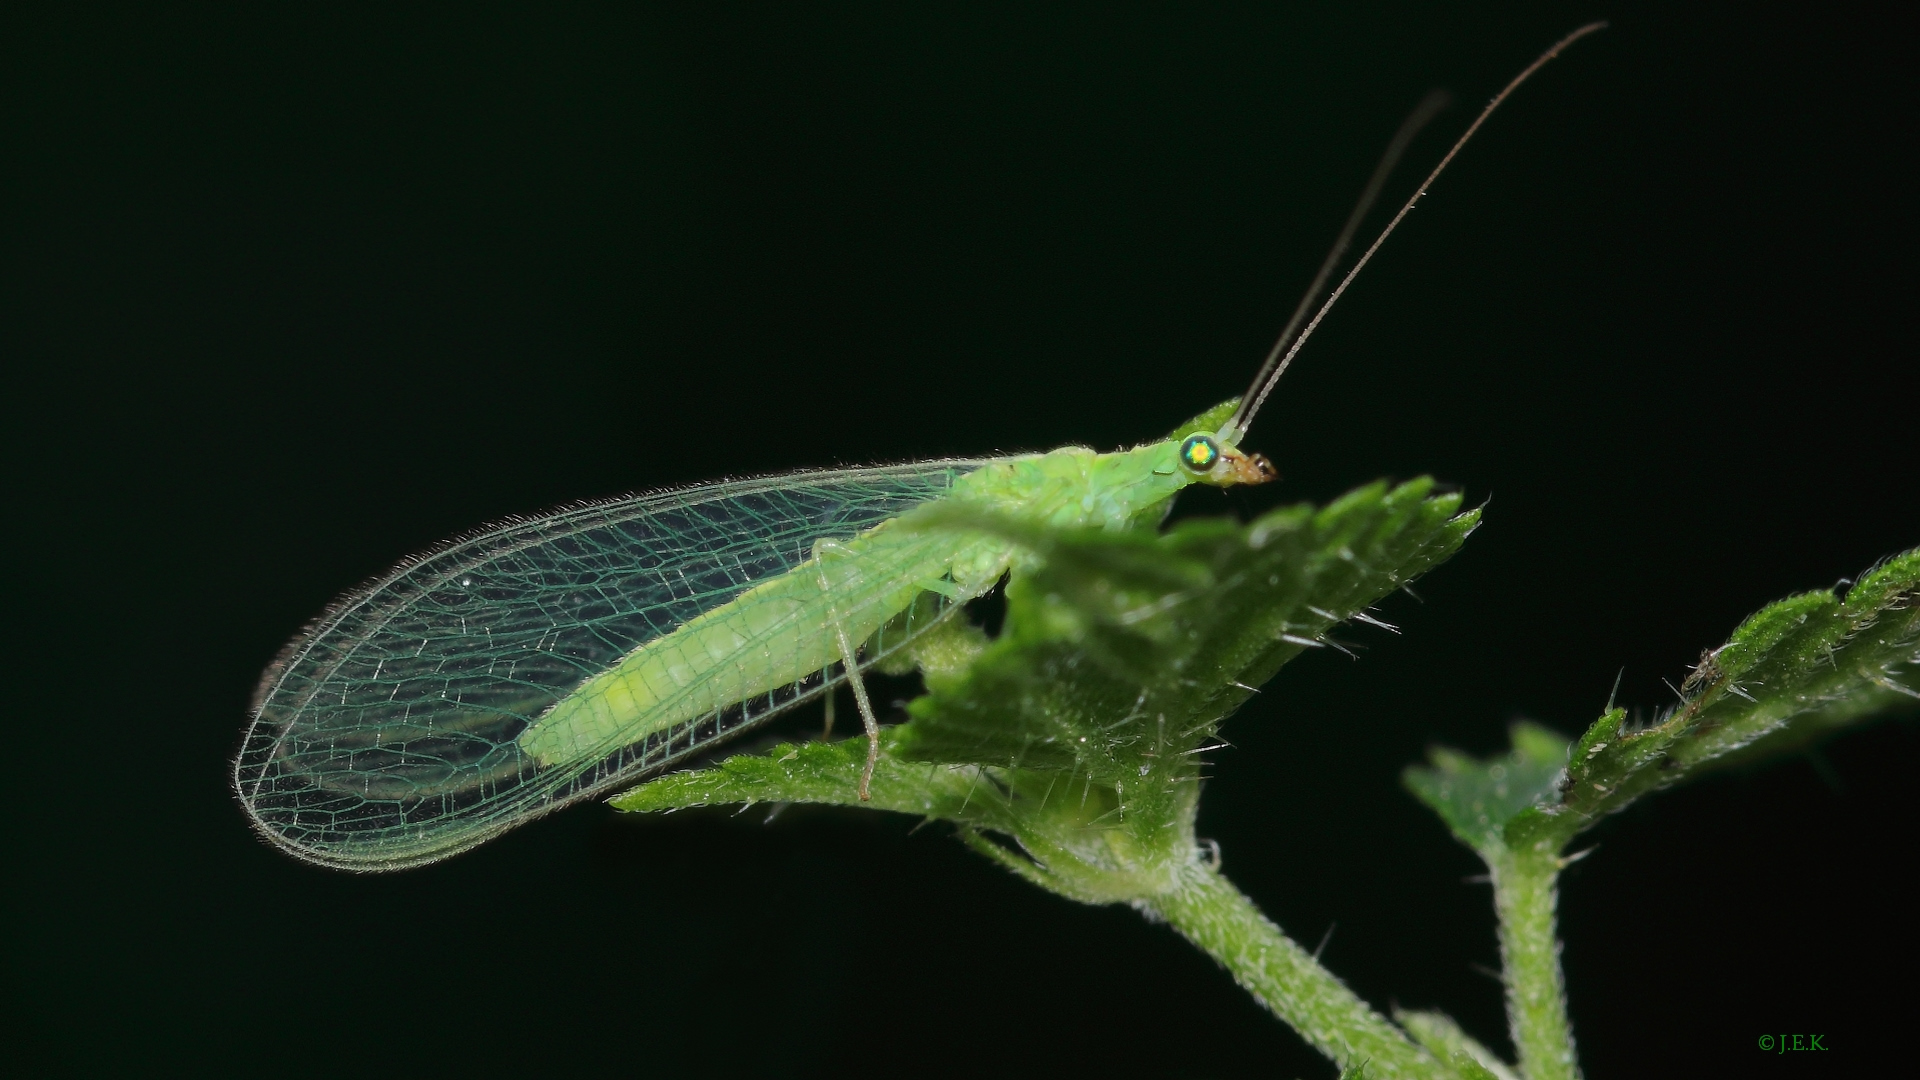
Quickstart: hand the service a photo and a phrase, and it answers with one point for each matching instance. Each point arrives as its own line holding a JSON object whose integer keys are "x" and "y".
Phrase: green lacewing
{"x": 547, "y": 660}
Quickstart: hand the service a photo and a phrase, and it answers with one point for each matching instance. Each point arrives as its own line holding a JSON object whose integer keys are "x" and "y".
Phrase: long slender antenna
{"x": 1428, "y": 108}
{"x": 1271, "y": 371}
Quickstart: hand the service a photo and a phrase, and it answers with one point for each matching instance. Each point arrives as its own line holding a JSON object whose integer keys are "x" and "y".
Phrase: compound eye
{"x": 1199, "y": 453}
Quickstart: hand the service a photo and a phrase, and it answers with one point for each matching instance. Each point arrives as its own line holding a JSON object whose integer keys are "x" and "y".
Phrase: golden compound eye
{"x": 1199, "y": 453}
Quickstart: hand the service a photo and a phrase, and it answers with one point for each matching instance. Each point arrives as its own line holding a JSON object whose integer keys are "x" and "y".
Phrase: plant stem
{"x": 1524, "y": 896}
{"x": 1218, "y": 918}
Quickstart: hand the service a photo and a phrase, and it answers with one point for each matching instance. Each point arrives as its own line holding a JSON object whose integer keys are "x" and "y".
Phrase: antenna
{"x": 1428, "y": 108}
{"x": 1277, "y": 360}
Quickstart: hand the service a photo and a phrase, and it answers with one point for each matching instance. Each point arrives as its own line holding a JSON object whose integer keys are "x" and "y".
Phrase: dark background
{"x": 289, "y": 296}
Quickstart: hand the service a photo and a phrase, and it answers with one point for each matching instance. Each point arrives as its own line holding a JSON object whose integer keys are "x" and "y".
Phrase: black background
{"x": 289, "y": 296}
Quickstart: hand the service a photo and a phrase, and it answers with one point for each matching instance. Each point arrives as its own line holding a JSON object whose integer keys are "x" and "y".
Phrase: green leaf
{"x": 1793, "y": 672}
{"x": 823, "y": 772}
{"x": 1478, "y": 798}
{"x": 1078, "y": 733}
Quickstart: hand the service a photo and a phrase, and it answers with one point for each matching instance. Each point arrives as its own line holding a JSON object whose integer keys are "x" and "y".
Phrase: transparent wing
{"x": 384, "y": 736}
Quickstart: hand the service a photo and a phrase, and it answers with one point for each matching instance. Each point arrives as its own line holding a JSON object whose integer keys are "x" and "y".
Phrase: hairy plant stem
{"x": 1524, "y": 896}
{"x": 1218, "y": 918}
